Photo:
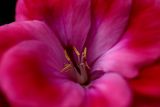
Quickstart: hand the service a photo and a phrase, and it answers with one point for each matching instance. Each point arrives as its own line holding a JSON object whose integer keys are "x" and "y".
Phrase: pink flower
{"x": 81, "y": 53}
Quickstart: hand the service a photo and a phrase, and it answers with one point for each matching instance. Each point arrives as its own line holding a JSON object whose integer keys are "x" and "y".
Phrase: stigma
{"x": 77, "y": 64}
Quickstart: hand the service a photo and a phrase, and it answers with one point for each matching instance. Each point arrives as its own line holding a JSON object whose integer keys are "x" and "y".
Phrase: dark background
{"x": 7, "y": 11}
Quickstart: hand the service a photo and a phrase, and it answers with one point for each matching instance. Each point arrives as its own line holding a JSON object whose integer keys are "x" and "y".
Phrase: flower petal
{"x": 17, "y": 32}
{"x": 110, "y": 90}
{"x": 147, "y": 87}
{"x": 140, "y": 44}
{"x": 24, "y": 79}
{"x": 109, "y": 20}
{"x": 70, "y": 19}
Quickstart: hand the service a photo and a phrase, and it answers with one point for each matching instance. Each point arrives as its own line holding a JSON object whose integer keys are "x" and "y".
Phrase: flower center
{"x": 77, "y": 64}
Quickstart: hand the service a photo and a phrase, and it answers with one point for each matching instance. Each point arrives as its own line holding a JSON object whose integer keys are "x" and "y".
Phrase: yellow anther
{"x": 66, "y": 67}
{"x": 85, "y": 52}
{"x": 77, "y": 64}
{"x": 67, "y": 56}
{"x": 76, "y": 51}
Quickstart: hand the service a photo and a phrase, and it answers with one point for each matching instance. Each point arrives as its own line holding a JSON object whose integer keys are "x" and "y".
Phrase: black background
{"x": 7, "y": 11}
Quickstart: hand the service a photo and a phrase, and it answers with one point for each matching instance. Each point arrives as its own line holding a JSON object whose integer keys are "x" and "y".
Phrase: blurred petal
{"x": 17, "y": 32}
{"x": 109, "y": 20}
{"x": 24, "y": 79}
{"x": 147, "y": 87}
{"x": 70, "y": 19}
{"x": 110, "y": 90}
{"x": 140, "y": 44}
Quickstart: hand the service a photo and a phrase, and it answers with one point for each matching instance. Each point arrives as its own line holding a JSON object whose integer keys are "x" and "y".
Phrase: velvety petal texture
{"x": 74, "y": 20}
{"x": 111, "y": 90}
{"x": 30, "y": 75}
{"x": 109, "y": 20}
{"x": 26, "y": 84}
{"x": 26, "y": 76}
{"x": 69, "y": 19}
{"x": 139, "y": 45}
{"x": 17, "y": 32}
{"x": 122, "y": 40}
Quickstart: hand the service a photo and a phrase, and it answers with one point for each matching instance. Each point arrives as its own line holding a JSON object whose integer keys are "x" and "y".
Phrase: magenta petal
{"x": 24, "y": 79}
{"x": 70, "y": 19}
{"x": 17, "y": 32}
{"x": 111, "y": 90}
{"x": 140, "y": 44}
{"x": 109, "y": 19}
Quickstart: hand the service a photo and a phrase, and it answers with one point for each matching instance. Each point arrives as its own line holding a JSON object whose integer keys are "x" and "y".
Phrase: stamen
{"x": 67, "y": 56}
{"x": 85, "y": 52}
{"x": 80, "y": 67}
{"x": 84, "y": 55}
{"x": 76, "y": 51}
{"x": 87, "y": 65}
{"x": 66, "y": 67}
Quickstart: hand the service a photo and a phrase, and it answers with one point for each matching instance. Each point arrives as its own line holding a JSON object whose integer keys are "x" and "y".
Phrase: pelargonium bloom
{"x": 81, "y": 53}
